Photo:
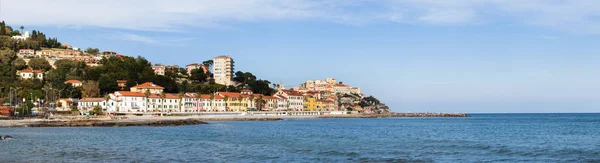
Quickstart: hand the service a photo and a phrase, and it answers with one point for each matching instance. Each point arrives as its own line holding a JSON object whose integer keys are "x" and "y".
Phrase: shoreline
{"x": 105, "y": 121}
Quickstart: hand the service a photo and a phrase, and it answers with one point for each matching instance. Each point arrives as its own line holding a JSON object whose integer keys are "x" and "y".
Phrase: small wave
{"x": 501, "y": 151}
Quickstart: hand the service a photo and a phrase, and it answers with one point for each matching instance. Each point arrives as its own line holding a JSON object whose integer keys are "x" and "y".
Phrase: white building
{"x": 23, "y": 36}
{"x": 26, "y": 52}
{"x": 222, "y": 70}
{"x": 129, "y": 102}
{"x": 295, "y": 100}
{"x": 282, "y": 103}
{"x": 74, "y": 83}
{"x": 31, "y": 74}
{"x": 159, "y": 69}
{"x": 170, "y": 103}
{"x": 88, "y": 104}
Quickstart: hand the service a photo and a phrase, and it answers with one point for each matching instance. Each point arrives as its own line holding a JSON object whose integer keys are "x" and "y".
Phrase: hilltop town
{"x": 43, "y": 74}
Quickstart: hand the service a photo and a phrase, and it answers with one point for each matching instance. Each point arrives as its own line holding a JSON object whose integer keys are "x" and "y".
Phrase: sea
{"x": 479, "y": 138}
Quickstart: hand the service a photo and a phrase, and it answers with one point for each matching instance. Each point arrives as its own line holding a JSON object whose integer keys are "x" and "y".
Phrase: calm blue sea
{"x": 480, "y": 138}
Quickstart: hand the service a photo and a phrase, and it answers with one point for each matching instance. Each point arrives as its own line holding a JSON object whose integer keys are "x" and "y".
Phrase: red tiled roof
{"x": 206, "y": 96}
{"x": 148, "y": 85}
{"x": 340, "y": 85}
{"x": 269, "y": 97}
{"x": 73, "y": 81}
{"x": 229, "y": 94}
{"x": 134, "y": 94}
{"x": 292, "y": 93}
{"x": 92, "y": 100}
{"x": 65, "y": 99}
{"x": 30, "y": 70}
{"x": 167, "y": 96}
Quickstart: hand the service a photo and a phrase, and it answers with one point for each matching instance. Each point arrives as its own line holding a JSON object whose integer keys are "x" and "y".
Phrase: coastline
{"x": 78, "y": 121}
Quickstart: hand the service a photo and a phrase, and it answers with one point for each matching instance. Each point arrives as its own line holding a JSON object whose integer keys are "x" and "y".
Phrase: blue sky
{"x": 425, "y": 55}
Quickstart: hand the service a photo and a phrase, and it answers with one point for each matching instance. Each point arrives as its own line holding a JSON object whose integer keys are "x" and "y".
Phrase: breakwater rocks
{"x": 110, "y": 123}
{"x": 396, "y": 115}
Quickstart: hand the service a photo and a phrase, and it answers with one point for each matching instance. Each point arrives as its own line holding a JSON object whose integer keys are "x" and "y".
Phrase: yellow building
{"x": 310, "y": 103}
{"x": 234, "y": 101}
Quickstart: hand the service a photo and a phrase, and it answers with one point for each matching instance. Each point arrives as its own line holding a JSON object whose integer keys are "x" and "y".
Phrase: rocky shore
{"x": 106, "y": 123}
{"x": 144, "y": 121}
{"x": 396, "y": 115}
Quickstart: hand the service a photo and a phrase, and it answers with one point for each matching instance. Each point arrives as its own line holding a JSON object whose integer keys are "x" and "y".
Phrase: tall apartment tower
{"x": 222, "y": 70}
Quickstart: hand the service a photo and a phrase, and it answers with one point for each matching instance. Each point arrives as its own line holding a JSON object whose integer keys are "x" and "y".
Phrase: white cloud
{"x": 137, "y": 38}
{"x": 580, "y": 16}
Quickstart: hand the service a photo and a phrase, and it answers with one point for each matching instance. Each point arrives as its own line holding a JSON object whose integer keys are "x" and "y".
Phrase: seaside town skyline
{"x": 415, "y": 60}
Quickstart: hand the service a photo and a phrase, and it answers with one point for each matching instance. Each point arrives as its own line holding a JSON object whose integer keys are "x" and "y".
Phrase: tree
{"x": 260, "y": 103}
{"x": 239, "y": 99}
{"x": 39, "y": 64}
{"x": 198, "y": 76}
{"x": 250, "y": 99}
{"x": 208, "y": 63}
{"x": 22, "y": 29}
{"x": 90, "y": 89}
{"x": 198, "y": 96}
{"x": 97, "y": 110}
{"x": 147, "y": 95}
{"x": 106, "y": 98}
{"x": 226, "y": 98}
{"x": 163, "y": 95}
{"x": 94, "y": 51}
{"x": 180, "y": 95}
{"x": 19, "y": 64}
{"x": 211, "y": 98}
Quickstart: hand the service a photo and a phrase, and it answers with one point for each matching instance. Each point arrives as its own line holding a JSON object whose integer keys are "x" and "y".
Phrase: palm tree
{"x": 22, "y": 28}
{"x": 251, "y": 100}
{"x": 180, "y": 99}
{"x": 198, "y": 96}
{"x": 212, "y": 97}
{"x": 163, "y": 95}
{"x": 146, "y": 94}
{"x": 259, "y": 102}
{"x": 226, "y": 98}
{"x": 106, "y": 98}
{"x": 239, "y": 99}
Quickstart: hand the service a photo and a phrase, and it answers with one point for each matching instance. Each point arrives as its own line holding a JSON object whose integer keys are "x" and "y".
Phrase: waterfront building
{"x": 170, "y": 102}
{"x": 129, "y": 102}
{"x": 88, "y": 104}
{"x": 204, "y": 103}
{"x": 64, "y": 104}
{"x": 310, "y": 103}
{"x": 270, "y": 103}
{"x": 282, "y": 103}
{"x": 222, "y": 70}
{"x": 295, "y": 99}
{"x": 234, "y": 101}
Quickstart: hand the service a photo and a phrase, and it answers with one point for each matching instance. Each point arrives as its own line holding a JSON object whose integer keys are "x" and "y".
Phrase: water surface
{"x": 483, "y": 137}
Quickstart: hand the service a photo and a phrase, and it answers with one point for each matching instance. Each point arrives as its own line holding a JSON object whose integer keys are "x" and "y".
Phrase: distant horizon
{"x": 414, "y": 56}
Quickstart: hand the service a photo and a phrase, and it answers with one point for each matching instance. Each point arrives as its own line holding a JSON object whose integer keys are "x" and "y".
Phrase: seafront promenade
{"x": 187, "y": 119}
